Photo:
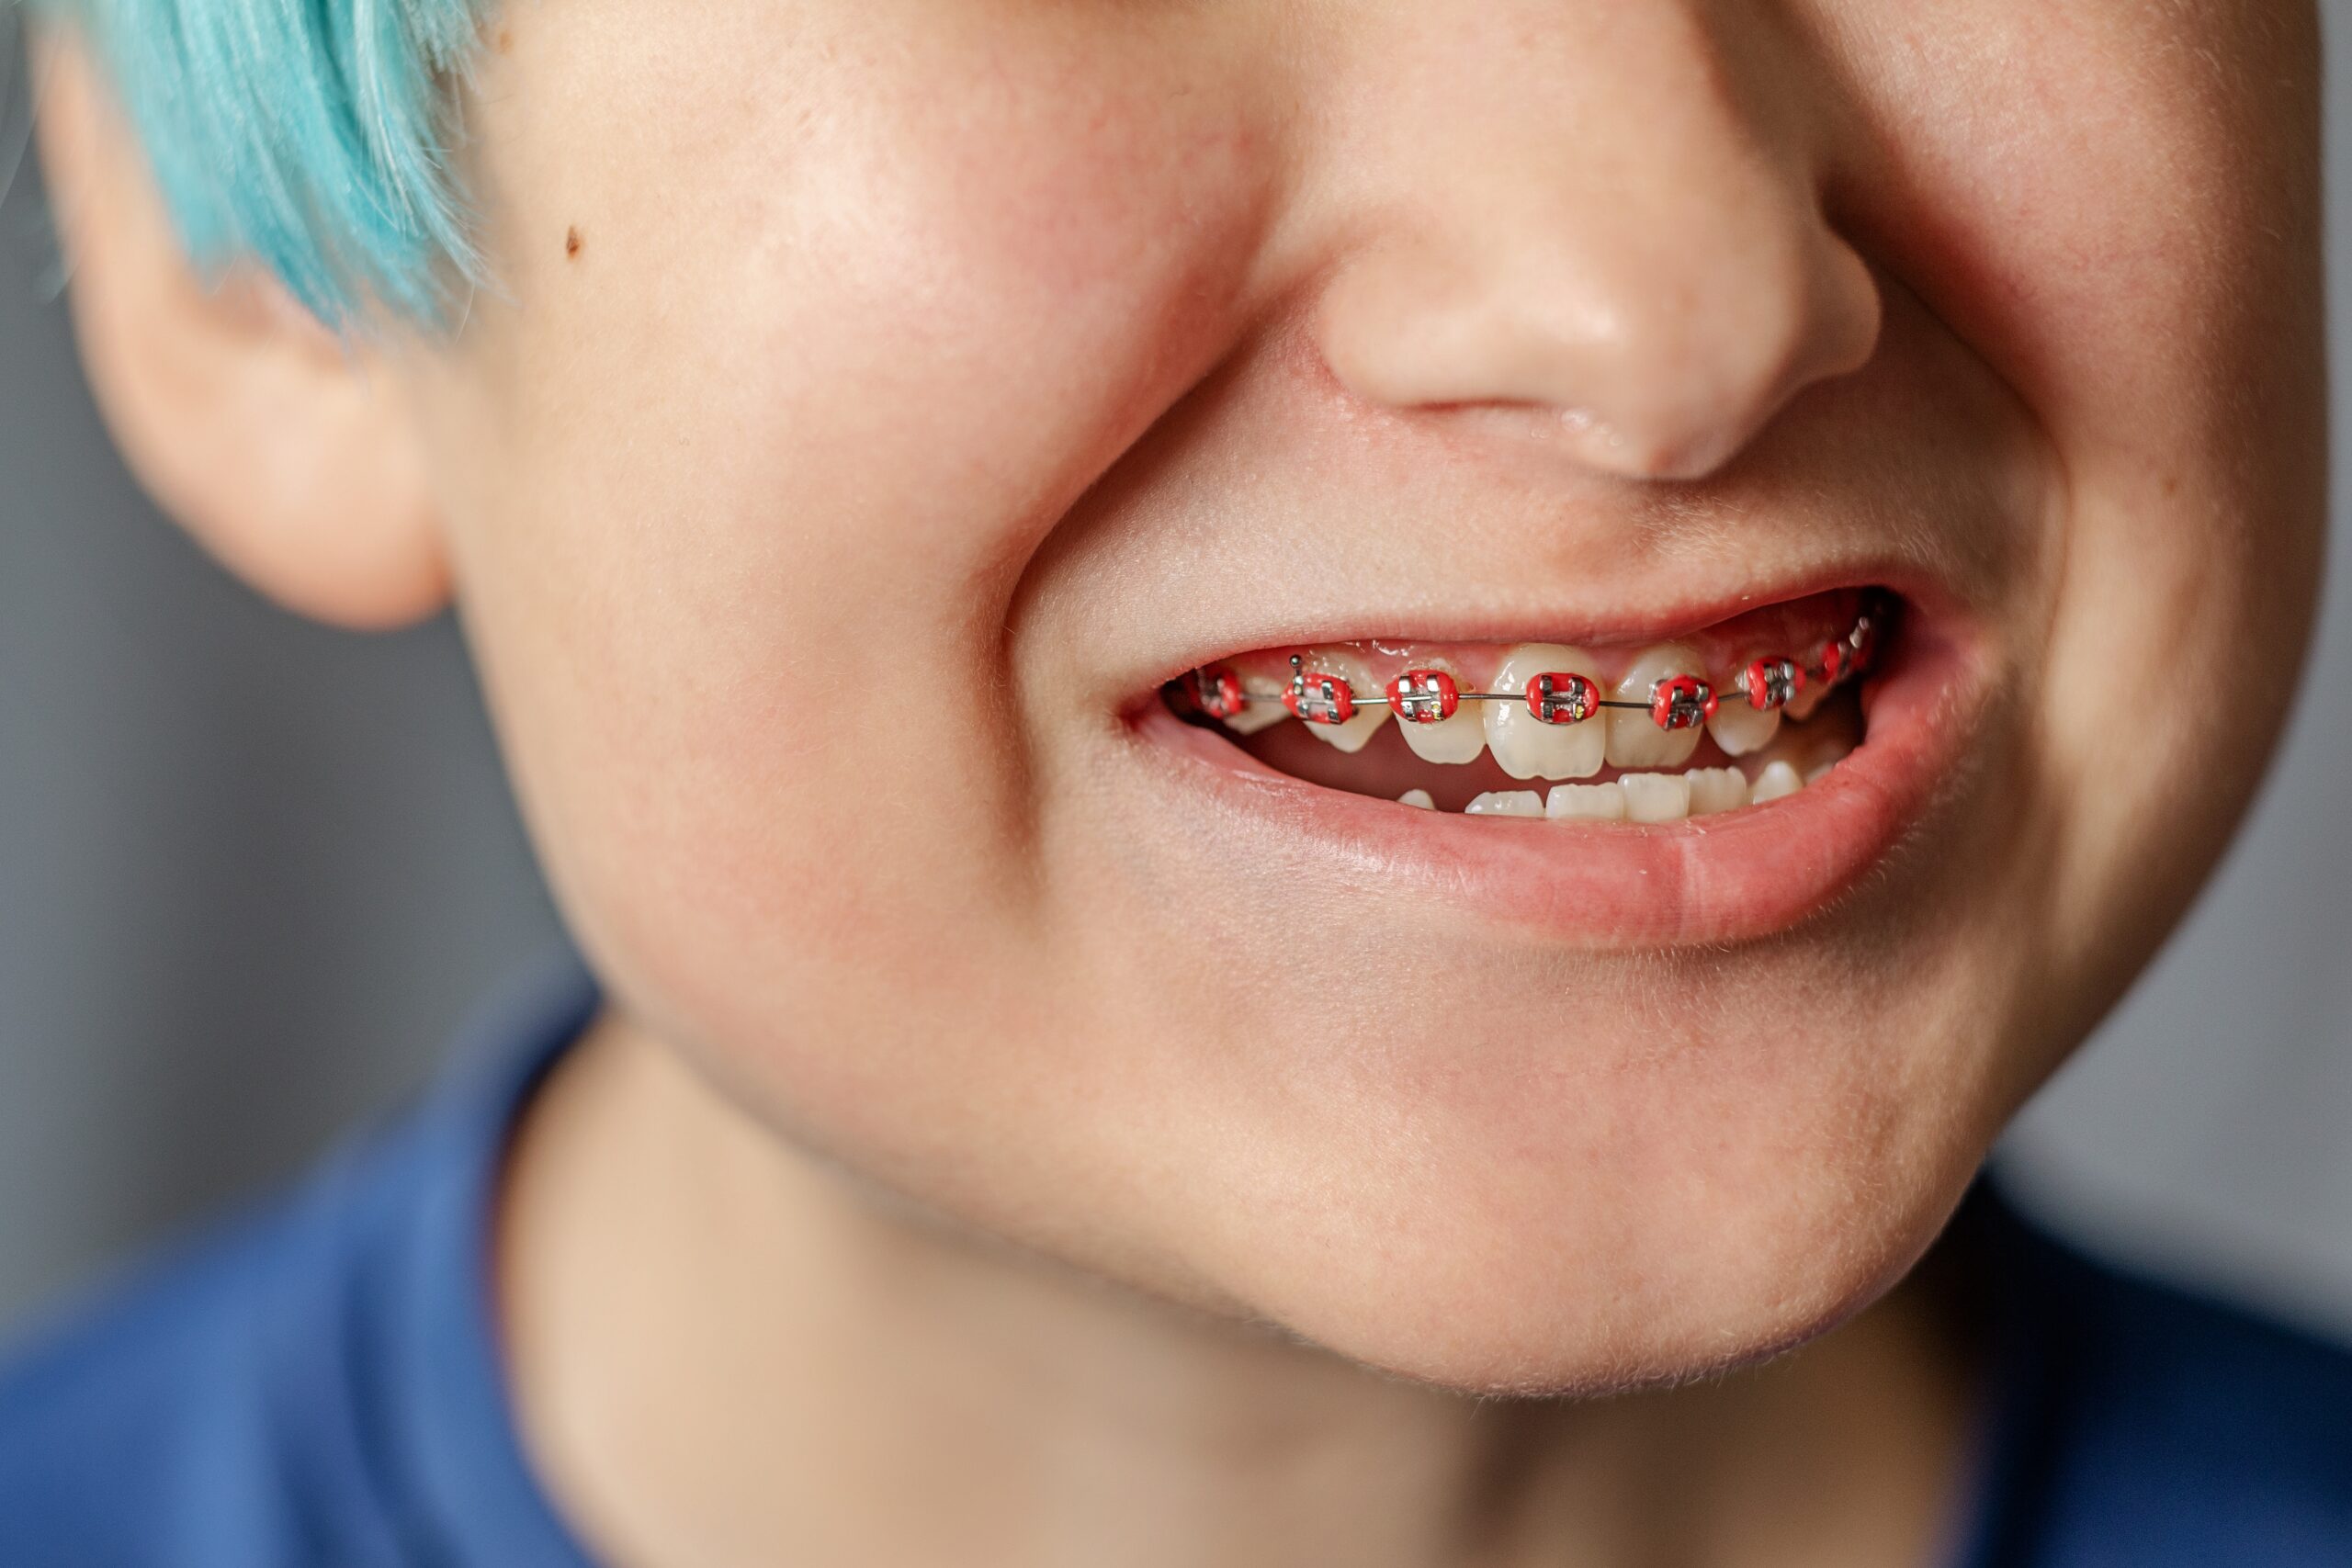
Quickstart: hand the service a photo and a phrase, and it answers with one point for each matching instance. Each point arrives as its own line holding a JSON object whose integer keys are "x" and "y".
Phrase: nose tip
{"x": 1660, "y": 362}
{"x": 1686, "y": 369}
{"x": 1613, "y": 252}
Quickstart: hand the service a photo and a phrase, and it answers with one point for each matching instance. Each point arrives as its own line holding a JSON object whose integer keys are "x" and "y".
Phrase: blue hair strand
{"x": 310, "y": 136}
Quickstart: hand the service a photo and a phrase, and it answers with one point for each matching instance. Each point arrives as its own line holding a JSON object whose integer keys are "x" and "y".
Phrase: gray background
{"x": 251, "y": 873}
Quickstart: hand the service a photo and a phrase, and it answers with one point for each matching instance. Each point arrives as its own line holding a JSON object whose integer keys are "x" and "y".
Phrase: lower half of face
{"x": 1034, "y": 652}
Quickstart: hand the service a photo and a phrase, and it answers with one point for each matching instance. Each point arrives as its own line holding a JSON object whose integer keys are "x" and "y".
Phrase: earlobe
{"x": 290, "y": 453}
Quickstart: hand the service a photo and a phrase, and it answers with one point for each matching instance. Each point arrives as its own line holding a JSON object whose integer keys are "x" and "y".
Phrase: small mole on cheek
{"x": 506, "y": 40}
{"x": 572, "y": 241}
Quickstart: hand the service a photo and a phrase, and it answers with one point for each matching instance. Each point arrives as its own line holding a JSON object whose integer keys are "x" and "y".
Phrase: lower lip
{"x": 1740, "y": 876}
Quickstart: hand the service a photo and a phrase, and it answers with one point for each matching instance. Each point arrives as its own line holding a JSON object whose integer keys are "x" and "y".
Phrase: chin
{"x": 1591, "y": 1282}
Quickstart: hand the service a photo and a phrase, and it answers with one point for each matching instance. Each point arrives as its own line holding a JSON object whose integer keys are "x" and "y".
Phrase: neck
{"x": 724, "y": 1352}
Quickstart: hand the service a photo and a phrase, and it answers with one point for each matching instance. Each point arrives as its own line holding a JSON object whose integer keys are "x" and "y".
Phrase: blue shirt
{"x": 319, "y": 1383}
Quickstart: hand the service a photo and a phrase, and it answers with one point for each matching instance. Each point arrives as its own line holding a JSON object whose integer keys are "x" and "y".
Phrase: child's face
{"x": 891, "y": 395}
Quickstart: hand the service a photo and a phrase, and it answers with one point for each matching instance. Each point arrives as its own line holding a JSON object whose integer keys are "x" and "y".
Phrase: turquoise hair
{"x": 308, "y": 136}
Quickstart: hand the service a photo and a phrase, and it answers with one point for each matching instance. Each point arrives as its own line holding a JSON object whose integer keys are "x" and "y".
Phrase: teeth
{"x": 1449, "y": 740}
{"x": 1586, "y": 803}
{"x": 1635, "y": 739}
{"x": 1357, "y": 733}
{"x": 1739, "y": 726}
{"x": 1524, "y": 746}
{"x": 1801, "y": 706}
{"x": 1505, "y": 803}
{"x": 1716, "y": 789}
{"x": 1655, "y": 797}
{"x": 1637, "y": 797}
{"x": 1785, "y": 758}
{"x": 1778, "y": 779}
{"x": 1255, "y": 716}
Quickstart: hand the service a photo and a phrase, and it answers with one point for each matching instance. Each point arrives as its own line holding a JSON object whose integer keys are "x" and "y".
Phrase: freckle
{"x": 572, "y": 241}
{"x": 506, "y": 40}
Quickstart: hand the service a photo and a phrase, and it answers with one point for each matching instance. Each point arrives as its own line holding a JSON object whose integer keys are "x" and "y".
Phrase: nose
{"x": 1603, "y": 215}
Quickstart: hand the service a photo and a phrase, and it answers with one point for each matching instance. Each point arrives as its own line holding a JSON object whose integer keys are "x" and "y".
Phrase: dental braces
{"x": 1553, "y": 696}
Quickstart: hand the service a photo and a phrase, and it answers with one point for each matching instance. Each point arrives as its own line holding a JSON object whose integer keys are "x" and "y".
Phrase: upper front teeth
{"x": 1538, "y": 709}
{"x": 1748, "y": 717}
{"x": 1323, "y": 693}
{"x": 1526, "y": 747}
{"x": 1636, "y": 738}
{"x": 1740, "y": 729}
{"x": 1455, "y": 738}
{"x": 1545, "y": 714}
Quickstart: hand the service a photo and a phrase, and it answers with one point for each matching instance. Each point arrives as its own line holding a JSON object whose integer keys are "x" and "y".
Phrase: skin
{"x": 977, "y": 1116}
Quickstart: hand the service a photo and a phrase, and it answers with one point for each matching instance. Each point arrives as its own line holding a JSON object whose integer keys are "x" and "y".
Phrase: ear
{"x": 290, "y": 453}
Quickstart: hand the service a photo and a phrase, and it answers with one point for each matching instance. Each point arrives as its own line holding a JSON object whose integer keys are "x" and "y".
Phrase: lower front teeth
{"x": 1636, "y": 797}
{"x": 1777, "y": 779}
{"x": 1716, "y": 789}
{"x": 1506, "y": 803}
{"x": 1655, "y": 797}
{"x": 1591, "y": 803}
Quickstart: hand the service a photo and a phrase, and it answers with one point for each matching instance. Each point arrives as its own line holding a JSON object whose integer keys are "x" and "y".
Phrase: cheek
{"x": 849, "y": 327}
{"x": 880, "y": 303}
{"x": 2117, "y": 205}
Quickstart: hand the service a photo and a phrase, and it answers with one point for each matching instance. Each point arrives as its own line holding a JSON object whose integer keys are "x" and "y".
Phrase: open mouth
{"x": 1672, "y": 806}
{"x": 1725, "y": 719}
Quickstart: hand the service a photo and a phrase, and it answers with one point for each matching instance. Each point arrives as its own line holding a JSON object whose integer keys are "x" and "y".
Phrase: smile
{"x": 1719, "y": 784}
{"x": 1628, "y": 724}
